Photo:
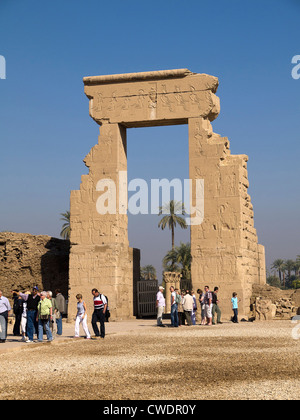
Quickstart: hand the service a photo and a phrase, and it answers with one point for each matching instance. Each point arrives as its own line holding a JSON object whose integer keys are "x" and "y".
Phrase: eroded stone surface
{"x": 224, "y": 246}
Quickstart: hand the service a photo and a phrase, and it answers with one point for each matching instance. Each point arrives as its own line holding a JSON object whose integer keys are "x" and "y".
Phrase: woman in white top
{"x": 24, "y": 319}
{"x": 81, "y": 317}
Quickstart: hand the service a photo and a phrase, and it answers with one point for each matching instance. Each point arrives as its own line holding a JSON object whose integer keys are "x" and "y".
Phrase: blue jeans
{"x": 235, "y": 316}
{"x": 41, "y": 324}
{"x": 31, "y": 324}
{"x": 174, "y": 315}
{"x": 59, "y": 326}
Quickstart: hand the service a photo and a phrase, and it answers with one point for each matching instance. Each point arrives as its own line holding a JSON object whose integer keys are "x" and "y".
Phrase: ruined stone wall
{"x": 224, "y": 247}
{"x": 100, "y": 254}
{"x": 224, "y": 243}
{"x": 28, "y": 260}
{"x": 268, "y": 302}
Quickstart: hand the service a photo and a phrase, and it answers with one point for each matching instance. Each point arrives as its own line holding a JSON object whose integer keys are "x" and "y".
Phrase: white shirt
{"x": 160, "y": 298}
{"x": 188, "y": 303}
{"x": 173, "y": 294}
{"x": 4, "y": 304}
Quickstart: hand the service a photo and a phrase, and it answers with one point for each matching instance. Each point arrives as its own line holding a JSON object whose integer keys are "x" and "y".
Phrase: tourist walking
{"x": 208, "y": 305}
{"x": 81, "y": 317}
{"x": 100, "y": 306}
{"x": 194, "y": 311}
{"x": 32, "y": 300}
{"x": 174, "y": 309}
{"x": 44, "y": 316}
{"x": 61, "y": 310}
{"x": 235, "y": 307}
{"x": 180, "y": 311}
{"x": 24, "y": 319}
{"x": 54, "y": 312}
{"x": 160, "y": 306}
{"x": 215, "y": 308}
{"x": 202, "y": 306}
{"x": 4, "y": 312}
{"x": 188, "y": 304}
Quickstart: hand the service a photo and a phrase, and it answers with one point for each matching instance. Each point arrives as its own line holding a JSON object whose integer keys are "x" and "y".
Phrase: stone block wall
{"x": 28, "y": 260}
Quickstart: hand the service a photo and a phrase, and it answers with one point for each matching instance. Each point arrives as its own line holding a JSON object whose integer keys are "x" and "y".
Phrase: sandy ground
{"x": 139, "y": 361}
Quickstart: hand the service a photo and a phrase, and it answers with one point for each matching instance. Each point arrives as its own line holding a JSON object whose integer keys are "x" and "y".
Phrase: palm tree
{"x": 66, "y": 229}
{"x": 296, "y": 267}
{"x": 172, "y": 218}
{"x": 170, "y": 261}
{"x": 279, "y": 266}
{"x": 181, "y": 258}
{"x": 289, "y": 266}
{"x": 148, "y": 272}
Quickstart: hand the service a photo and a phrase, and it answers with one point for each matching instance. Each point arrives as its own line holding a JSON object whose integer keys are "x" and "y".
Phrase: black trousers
{"x": 98, "y": 316}
{"x": 17, "y": 325}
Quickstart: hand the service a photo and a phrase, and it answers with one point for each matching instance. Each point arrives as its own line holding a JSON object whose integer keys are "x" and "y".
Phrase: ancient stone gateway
{"x": 225, "y": 248}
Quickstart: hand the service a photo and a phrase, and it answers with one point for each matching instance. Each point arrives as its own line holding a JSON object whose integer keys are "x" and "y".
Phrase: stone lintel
{"x": 133, "y": 77}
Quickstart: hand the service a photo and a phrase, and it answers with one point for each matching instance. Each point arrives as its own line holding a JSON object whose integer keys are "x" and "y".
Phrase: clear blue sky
{"x": 46, "y": 131}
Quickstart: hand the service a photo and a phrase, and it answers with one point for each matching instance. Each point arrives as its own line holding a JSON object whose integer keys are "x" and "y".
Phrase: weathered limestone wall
{"x": 100, "y": 253}
{"x": 225, "y": 248}
{"x": 28, "y": 260}
{"x": 269, "y": 303}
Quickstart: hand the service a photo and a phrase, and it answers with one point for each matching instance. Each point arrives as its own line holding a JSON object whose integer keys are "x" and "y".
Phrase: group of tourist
{"x": 38, "y": 313}
{"x": 184, "y": 306}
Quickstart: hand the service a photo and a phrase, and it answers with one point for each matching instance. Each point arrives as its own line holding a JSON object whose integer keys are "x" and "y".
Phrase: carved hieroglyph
{"x": 224, "y": 246}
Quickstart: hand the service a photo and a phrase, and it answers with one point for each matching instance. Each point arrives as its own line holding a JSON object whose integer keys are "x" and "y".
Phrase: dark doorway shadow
{"x": 55, "y": 266}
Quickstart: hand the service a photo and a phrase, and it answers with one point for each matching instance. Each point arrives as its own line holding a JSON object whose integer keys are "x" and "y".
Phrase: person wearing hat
{"x": 160, "y": 305}
{"x": 32, "y": 301}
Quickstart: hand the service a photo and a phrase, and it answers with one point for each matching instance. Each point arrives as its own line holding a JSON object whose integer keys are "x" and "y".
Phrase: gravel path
{"x": 244, "y": 361}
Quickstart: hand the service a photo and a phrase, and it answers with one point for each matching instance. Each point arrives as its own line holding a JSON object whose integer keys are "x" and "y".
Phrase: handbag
{"x": 42, "y": 317}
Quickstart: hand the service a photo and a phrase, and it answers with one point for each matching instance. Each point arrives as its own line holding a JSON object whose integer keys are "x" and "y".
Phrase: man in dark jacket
{"x": 61, "y": 306}
{"x": 216, "y": 309}
{"x": 17, "y": 310}
{"x": 32, "y": 307}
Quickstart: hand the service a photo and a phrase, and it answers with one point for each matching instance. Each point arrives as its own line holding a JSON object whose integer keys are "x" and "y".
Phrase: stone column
{"x": 171, "y": 279}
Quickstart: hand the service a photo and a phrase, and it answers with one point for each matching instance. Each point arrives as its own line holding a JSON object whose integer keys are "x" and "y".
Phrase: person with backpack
{"x": 100, "y": 306}
{"x": 107, "y": 312}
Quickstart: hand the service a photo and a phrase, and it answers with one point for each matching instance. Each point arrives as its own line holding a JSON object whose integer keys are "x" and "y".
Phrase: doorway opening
{"x": 156, "y": 157}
